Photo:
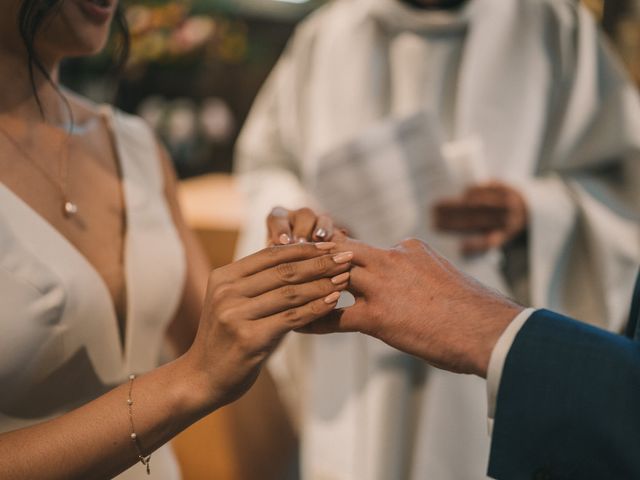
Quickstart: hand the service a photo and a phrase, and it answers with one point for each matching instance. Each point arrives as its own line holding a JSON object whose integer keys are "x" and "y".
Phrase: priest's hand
{"x": 302, "y": 225}
{"x": 414, "y": 300}
{"x": 489, "y": 216}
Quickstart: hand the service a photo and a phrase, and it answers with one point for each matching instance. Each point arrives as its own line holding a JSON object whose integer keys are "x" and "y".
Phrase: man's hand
{"x": 416, "y": 301}
{"x": 489, "y": 215}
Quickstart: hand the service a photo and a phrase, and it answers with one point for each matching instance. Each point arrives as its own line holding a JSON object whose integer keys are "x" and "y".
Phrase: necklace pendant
{"x": 70, "y": 209}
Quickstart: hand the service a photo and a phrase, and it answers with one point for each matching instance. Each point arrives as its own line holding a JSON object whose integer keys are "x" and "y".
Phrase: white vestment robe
{"x": 532, "y": 87}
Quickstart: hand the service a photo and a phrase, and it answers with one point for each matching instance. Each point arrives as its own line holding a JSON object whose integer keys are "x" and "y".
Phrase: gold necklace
{"x": 69, "y": 208}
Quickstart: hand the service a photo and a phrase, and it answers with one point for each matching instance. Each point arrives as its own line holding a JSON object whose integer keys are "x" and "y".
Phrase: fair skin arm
{"x": 414, "y": 300}
{"x": 250, "y": 305}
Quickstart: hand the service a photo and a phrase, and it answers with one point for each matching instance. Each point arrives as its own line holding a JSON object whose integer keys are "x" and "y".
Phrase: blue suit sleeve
{"x": 568, "y": 406}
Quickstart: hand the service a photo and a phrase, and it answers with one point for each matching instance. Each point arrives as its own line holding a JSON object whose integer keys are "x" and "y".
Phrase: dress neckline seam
{"x": 123, "y": 340}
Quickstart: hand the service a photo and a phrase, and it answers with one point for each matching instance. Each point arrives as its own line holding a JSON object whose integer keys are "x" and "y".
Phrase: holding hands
{"x": 416, "y": 301}
{"x": 408, "y": 296}
{"x": 412, "y": 298}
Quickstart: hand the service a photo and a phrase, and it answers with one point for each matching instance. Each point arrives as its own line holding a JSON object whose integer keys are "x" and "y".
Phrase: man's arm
{"x": 568, "y": 405}
{"x": 414, "y": 300}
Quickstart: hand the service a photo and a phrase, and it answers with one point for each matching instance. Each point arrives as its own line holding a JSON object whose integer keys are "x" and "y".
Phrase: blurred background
{"x": 194, "y": 70}
{"x": 196, "y": 66}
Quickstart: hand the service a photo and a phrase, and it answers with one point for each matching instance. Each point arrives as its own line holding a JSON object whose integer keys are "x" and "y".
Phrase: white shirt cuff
{"x": 498, "y": 357}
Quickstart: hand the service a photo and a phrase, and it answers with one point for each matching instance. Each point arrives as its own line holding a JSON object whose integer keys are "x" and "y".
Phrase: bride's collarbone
{"x": 93, "y": 183}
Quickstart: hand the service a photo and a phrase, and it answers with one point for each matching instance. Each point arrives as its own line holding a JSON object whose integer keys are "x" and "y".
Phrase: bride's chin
{"x": 73, "y": 35}
{"x": 76, "y": 44}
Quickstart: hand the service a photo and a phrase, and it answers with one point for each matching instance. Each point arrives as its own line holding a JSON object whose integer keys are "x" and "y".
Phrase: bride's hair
{"x": 33, "y": 14}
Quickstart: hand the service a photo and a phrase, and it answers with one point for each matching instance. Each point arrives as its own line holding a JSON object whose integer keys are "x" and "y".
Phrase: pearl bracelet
{"x": 144, "y": 459}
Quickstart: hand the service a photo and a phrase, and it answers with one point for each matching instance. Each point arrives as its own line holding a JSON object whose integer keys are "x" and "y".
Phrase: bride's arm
{"x": 250, "y": 305}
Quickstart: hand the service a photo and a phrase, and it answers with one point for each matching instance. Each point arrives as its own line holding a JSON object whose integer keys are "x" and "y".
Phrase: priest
{"x": 509, "y": 125}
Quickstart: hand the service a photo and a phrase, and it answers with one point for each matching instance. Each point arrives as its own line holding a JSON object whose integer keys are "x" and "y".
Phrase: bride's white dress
{"x": 59, "y": 339}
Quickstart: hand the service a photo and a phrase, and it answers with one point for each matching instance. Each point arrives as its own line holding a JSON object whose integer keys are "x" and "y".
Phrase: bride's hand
{"x": 302, "y": 225}
{"x": 252, "y": 303}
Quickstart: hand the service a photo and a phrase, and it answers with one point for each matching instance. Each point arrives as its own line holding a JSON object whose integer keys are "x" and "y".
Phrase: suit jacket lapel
{"x": 633, "y": 327}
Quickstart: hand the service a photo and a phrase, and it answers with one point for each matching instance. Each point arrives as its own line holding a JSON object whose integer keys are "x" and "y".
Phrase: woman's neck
{"x": 19, "y": 96}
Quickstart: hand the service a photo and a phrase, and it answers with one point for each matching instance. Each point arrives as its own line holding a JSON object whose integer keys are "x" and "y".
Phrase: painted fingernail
{"x": 325, "y": 245}
{"x": 343, "y": 257}
{"x": 284, "y": 239}
{"x": 321, "y": 233}
{"x": 338, "y": 279}
{"x": 332, "y": 298}
{"x": 302, "y": 240}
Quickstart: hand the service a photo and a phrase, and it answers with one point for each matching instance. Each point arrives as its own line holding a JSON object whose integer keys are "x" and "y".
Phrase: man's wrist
{"x": 496, "y": 317}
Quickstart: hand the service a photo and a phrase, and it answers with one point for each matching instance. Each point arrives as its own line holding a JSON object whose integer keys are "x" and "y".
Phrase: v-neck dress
{"x": 60, "y": 344}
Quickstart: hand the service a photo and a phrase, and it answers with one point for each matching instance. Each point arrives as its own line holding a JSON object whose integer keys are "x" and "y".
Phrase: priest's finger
{"x": 468, "y": 216}
{"x": 488, "y": 193}
{"x": 477, "y": 244}
{"x": 501, "y": 196}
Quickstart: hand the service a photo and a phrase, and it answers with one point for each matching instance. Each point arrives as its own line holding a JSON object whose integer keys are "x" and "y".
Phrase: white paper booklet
{"x": 383, "y": 185}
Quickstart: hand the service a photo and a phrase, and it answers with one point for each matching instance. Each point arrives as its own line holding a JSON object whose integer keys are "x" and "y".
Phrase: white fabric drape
{"x": 534, "y": 84}
{"x": 59, "y": 342}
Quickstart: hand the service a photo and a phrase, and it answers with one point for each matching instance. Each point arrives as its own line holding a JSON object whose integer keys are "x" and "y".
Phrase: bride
{"x": 97, "y": 267}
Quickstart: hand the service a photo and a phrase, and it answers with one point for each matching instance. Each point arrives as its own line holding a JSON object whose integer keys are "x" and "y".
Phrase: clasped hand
{"x": 251, "y": 304}
{"x": 413, "y": 299}
{"x": 407, "y": 296}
